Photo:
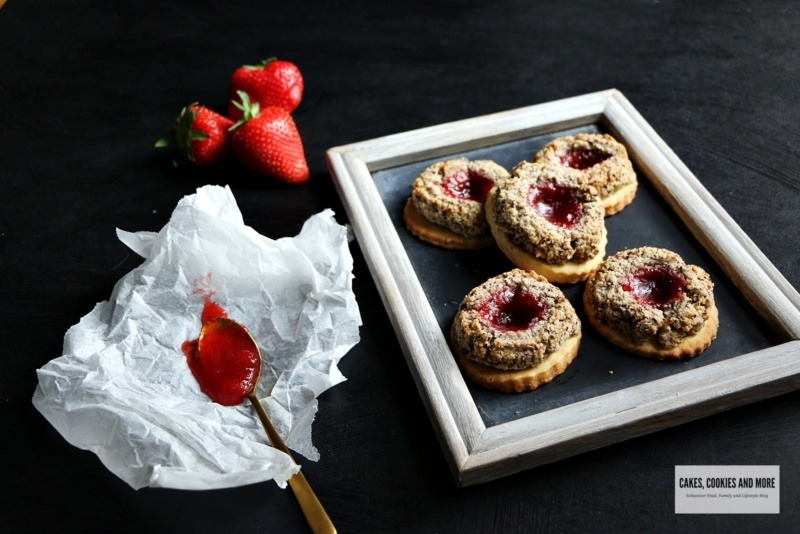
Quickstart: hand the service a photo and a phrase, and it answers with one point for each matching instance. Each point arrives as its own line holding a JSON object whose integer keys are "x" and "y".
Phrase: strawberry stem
{"x": 261, "y": 65}
{"x": 182, "y": 134}
{"x": 250, "y": 110}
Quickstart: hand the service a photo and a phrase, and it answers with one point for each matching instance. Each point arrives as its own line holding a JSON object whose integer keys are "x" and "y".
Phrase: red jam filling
{"x": 657, "y": 286}
{"x": 558, "y": 204}
{"x": 467, "y": 185}
{"x": 583, "y": 158}
{"x": 510, "y": 309}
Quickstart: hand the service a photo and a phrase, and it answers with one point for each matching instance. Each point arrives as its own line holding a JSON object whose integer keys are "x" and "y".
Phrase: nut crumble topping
{"x": 607, "y": 176}
{"x": 518, "y": 349}
{"x": 464, "y": 217}
{"x": 531, "y": 232}
{"x": 667, "y": 326}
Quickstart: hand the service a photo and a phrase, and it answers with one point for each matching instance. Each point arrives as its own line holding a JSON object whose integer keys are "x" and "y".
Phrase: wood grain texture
{"x": 634, "y": 411}
{"x": 457, "y": 422}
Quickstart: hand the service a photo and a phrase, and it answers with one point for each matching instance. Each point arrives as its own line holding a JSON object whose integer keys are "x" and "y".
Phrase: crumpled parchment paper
{"x": 123, "y": 388}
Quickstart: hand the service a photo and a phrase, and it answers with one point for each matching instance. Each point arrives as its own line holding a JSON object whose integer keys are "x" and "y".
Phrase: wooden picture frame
{"x": 477, "y": 453}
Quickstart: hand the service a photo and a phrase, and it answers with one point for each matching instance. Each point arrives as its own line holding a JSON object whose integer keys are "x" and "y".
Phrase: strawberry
{"x": 267, "y": 141}
{"x": 199, "y": 134}
{"x": 270, "y": 83}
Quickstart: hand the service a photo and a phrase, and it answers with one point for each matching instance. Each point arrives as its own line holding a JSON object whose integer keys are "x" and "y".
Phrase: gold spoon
{"x": 315, "y": 514}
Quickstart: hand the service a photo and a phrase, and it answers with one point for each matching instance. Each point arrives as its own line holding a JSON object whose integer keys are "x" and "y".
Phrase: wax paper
{"x": 123, "y": 388}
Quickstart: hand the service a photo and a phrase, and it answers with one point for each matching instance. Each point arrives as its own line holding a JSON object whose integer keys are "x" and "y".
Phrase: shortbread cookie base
{"x": 562, "y": 273}
{"x": 439, "y": 235}
{"x": 619, "y": 199}
{"x": 523, "y": 379}
{"x": 690, "y": 346}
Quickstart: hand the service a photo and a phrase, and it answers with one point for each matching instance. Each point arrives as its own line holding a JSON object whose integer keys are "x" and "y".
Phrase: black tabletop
{"x": 87, "y": 87}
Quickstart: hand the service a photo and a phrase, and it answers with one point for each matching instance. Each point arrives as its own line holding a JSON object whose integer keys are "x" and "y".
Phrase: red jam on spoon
{"x": 511, "y": 309}
{"x": 657, "y": 286}
{"x": 226, "y": 363}
{"x": 558, "y": 204}
{"x": 583, "y": 158}
{"x": 224, "y": 360}
{"x": 467, "y": 185}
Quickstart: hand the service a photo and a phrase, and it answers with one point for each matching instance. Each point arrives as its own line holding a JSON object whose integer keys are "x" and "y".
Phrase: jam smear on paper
{"x": 212, "y": 310}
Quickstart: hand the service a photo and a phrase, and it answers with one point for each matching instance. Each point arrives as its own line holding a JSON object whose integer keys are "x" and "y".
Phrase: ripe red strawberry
{"x": 267, "y": 141}
{"x": 199, "y": 134}
{"x": 270, "y": 83}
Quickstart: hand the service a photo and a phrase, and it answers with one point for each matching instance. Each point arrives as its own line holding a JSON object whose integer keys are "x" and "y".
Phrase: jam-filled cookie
{"x": 603, "y": 163}
{"x": 515, "y": 332}
{"x": 649, "y": 302}
{"x": 545, "y": 220}
{"x": 446, "y": 204}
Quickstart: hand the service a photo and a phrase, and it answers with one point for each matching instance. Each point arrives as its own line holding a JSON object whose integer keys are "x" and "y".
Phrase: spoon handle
{"x": 315, "y": 514}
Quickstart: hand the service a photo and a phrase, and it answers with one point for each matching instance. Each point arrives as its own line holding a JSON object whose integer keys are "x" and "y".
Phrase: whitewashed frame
{"x": 477, "y": 453}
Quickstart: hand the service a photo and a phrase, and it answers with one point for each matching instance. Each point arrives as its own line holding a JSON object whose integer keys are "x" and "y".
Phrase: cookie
{"x": 446, "y": 207}
{"x": 602, "y": 163}
{"x": 650, "y": 302}
{"x": 439, "y": 235}
{"x": 545, "y": 220}
{"x": 515, "y": 332}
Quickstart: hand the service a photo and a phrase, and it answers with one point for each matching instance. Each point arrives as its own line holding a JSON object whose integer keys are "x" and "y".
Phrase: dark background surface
{"x": 86, "y": 88}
